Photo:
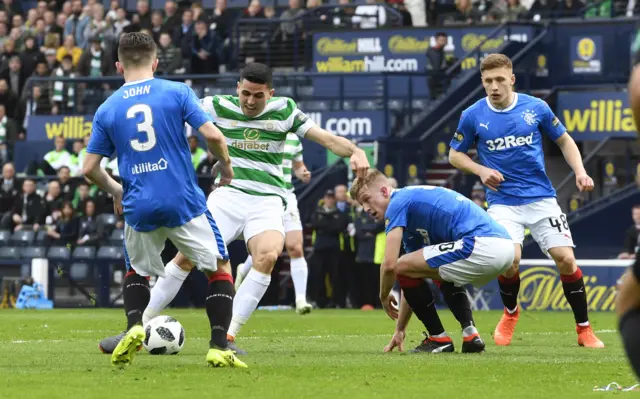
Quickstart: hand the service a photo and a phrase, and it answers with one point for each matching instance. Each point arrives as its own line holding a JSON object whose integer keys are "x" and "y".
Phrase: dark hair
{"x": 258, "y": 73}
{"x": 441, "y": 34}
{"x": 136, "y": 49}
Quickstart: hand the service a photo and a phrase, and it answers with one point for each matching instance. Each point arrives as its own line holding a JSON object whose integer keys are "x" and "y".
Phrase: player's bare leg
{"x": 265, "y": 248}
{"x": 575, "y": 292}
{"x": 509, "y": 284}
{"x": 299, "y": 270}
{"x": 411, "y": 270}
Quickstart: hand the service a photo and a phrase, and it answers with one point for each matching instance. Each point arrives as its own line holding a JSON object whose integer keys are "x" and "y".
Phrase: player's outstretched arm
{"x": 572, "y": 155}
{"x": 217, "y": 144}
{"x": 301, "y": 171}
{"x": 93, "y": 172}
{"x": 388, "y": 270}
{"x": 341, "y": 147}
{"x": 461, "y": 161}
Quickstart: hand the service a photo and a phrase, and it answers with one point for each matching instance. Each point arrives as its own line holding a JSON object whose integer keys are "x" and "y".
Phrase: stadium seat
{"x": 111, "y": 253}
{"x": 22, "y": 238}
{"x": 78, "y": 271}
{"x": 285, "y": 91}
{"x": 305, "y": 91}
{"x": 108, "y": 219}
{"x": 4, "y": 237}
{"x": 41, "y": 238}
{"x": 9, "y": 253}
{"x": 317, "y": 106}
{"x": 396, "y": 105}
{"x": 367, "y": 105}
{"x": 419, "y": 104}
{"x": 117, "y": 237}
{"x": 34, "y": 252}
{"x": 84, "y": 253}
{"x": 59, "y": 253}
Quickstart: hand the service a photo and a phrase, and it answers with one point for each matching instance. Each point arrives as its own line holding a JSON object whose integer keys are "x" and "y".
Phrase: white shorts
{"x": 199, "y": 240}
{"x": 241, "y": 215}
{"x": 472, "y": 260}
{"x": 544, "y": 218}
{"x": 292, "y": 215}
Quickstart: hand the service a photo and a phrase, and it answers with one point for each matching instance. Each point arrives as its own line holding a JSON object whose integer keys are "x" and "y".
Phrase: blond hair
{"x": 361, "y": 182}
{"x": 495, "y": 61}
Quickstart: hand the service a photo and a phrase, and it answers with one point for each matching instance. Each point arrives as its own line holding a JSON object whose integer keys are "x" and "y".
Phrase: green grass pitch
{"x": 327, "y": 354}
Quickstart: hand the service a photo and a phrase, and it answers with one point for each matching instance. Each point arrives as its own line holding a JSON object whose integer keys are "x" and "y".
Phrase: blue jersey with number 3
{"x": 143, "y": 122}
{"x": 435, "y": 215}
{"x": 510, "y": 141}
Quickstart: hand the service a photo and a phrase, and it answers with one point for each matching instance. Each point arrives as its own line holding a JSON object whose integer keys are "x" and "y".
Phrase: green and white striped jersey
{"x": 257, "y": 145}
{"x": 292, "y": 152}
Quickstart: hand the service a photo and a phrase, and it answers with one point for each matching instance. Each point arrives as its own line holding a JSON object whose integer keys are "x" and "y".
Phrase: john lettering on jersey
{"x": 510, "y": 141}
{"x": 144, "y": 122}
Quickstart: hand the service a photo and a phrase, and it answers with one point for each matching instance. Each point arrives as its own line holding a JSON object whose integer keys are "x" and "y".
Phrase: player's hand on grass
{"x": 397, "y": 341}
{"x": 584, "y": 182}
{"x": 359, "y": 163}
{"x": 390, "y": 306}
{"x": 491, "y": 178}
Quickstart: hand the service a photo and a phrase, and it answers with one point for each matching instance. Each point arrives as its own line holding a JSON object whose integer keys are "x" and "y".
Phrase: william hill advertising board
{"x": 399, "y": 50}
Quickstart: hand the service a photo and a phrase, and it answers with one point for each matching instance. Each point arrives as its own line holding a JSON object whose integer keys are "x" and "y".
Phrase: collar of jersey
{"x": 509, "y": 108}
{"x": 135, "y": 82}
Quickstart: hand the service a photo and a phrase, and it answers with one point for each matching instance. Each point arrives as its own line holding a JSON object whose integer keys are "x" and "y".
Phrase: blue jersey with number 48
{"x": 143, "y": 122}
{"x": 510, "y": 141}
{"x": 435, "y": 215}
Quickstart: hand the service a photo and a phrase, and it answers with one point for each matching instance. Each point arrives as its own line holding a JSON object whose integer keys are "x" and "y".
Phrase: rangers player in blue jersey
{"x": 508, "y": 129}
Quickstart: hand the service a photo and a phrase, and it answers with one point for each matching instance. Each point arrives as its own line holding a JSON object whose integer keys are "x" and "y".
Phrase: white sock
{"x": 299, "y": 274}
{"x": 469, "y": 331}
{"x": 243, "y": 268}
{"x": 163, "y": 292}
{"x": 512, "y": 311}
{"x": 247, "y": 298}
{"x": 585, "y": 324}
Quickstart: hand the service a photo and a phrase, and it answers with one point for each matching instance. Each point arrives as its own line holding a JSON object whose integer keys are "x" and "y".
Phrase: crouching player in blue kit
{"x": 143, "y": 122}
{"x": 446, "y": 237}
{"x": 508, "y": 128}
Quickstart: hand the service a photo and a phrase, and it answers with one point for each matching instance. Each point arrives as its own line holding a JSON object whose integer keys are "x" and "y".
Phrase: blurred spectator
{"x": 15, "y": 76}
{"x": 317, "y": 18}
{"x": 9, "y": 52}
{"x": 570, "y": 8}
{"x": 50, "y": 25}
{"x": 171, "y": 16}
{"x": 367, "y": 271}
{"x": 121, "y": 22}
{"x": 69, "y": 48}
{"x": 197, "y": 153}
{"x": 631, "y": 236}
{"x": 4, "y": 33}
{"x": 81, "y": 197}
{"x": 27, "y": 212}
{"x": 67, "y": 228}
{"x": 169, "y": 56}
{"x": 112, "y": 14}
{"x": 92, "y": 230}
{"x": 63, "y": 93}
{"x": 75, "y": 168}
{"x": 370, "y": 15}
{"x": 510, "y": 10}
{"x": 53, "y": 202}
{"x": 436, "y": 66}
{"x": 29, "y": 59}
{"x": 58, "y": 29}
{"x": 465, "y": 13}
{"x": 11, "y": 6}
{"x": 157, "y": 21}
{"x": 143, "y": 15}
{"x": 37, "y": 104}
{"x": 183, "y": 36}
{"x": 407, "y": 19}
{"x": 39, "y": 33}
{"x": 291, "y": 29}
{"x": 67, "y": 186}
{"x": 99, "y": 29}
{"x": 57, "y": 158}
{"x": 9, "y": 188}
{"x": 198, "y": 13}
{"x": 8, "y": 134}
{"x": 8, "y": 99}
{"x": 478, "y": 195}
{"x": 223, "y": 19}
{"x": 341, "y": 16}
{"x": 347, "y": 242}
{"x": 75, "y": 24}
{"x": 207, "y": 50}
{"x": 95, "y": 62}
{"x": 541, "y": 9}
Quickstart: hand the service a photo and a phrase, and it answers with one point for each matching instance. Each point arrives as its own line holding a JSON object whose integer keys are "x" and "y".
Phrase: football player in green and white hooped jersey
{"x": 293, "y": 240}
{"x": 255, "y": 125}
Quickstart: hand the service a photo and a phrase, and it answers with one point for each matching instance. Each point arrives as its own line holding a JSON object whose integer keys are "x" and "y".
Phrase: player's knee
{"x": 295, "y": 251}
{"x": 566, "y": 263}
{"x": 513, "y": 269}
{"x": 264, "y": 261}
{"x": 183, "y": 262}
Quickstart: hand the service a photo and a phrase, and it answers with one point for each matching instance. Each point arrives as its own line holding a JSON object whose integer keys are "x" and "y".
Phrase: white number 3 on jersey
{"x": 143, "y": 127}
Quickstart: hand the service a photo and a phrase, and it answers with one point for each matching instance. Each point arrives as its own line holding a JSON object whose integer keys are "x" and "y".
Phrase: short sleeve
{"x": 100, "y": 142}
{"x": 297, "y": 153}
{"x": 549, "y": 123}
{"x": 193, "y": 111}
{"x": 465, "y": 136}
{"x": 301, "y": 122}
{"x": 396, "y": 215}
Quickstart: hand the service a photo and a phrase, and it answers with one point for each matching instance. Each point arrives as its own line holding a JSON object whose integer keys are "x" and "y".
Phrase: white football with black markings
{"x": 164, "y": 335}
